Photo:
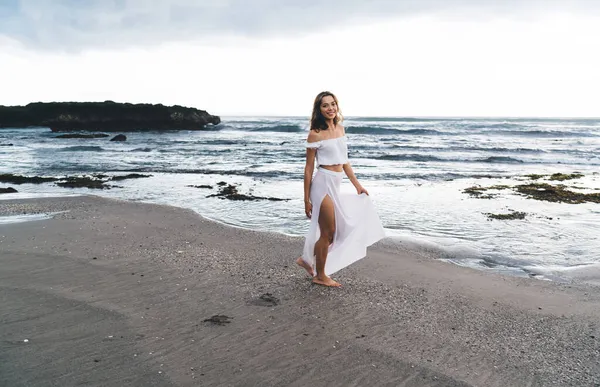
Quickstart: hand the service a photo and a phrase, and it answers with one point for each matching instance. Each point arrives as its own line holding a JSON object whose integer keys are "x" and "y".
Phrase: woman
{"x": 342, "y": 226}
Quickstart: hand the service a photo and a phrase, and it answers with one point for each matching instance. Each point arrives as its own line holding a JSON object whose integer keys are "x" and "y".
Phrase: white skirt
{"x": 357, "y": 225}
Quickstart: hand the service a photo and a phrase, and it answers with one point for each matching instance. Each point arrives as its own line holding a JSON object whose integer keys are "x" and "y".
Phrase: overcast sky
{"x": 271, "y": 57}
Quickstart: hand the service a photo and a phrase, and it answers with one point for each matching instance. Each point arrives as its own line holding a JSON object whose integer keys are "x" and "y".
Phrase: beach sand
{"x": 116, "y": 293}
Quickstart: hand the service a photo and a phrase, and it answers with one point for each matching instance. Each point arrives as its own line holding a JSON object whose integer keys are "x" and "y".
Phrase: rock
{"x": 535, "y": 176}
{"x": 82, "y": 135}
{"x": 96, "y": 181}
{"x": 119, "y": 137}
{"x": 555, "y": 193}
{"x": 83, "y": 182}
{"x": 105, "y": 116}
{"x": 6, "y": 144}
{"x": 557, "y": 176}
{"x": 230, "y": 192}
{"x": 478, "y": 191}
{"x": 201, "y": 186}
{"x": 129, "y": 176}
{"x": 510, "y": 216}
{"x": 565, "y": 176}
{"x": 8, "y": 190}
{"x": 17, "y": 179}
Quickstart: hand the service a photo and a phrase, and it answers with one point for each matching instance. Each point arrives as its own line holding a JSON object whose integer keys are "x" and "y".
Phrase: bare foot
{"x": 327, "y": 281}
{"x": 306, "y": 266}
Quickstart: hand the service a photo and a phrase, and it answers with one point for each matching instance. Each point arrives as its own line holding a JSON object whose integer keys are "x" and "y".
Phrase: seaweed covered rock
{"x": 555, "y": 193}
{"x": 510, "y": 216}
{"x": 18, "y": 179}
{"x": 229, "y": 191}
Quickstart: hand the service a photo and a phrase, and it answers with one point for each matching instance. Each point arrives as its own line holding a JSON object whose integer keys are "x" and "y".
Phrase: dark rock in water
{"x": 273, "y": 199}
{"x": 201, "y": 186}
{"x": 565, "y": 176}
{"x": 129, "y": 176}
{"x": 538, "y": 191}
{"x": 535, "y": 176}
{"x": 478, "y": 191}
{"x": 96, "y": 181}
{"x": 555, "y": 193}
{"x": 218, "y": 319}
{"x": 17, "y": 179}
{"x": 6, "y": 144}
{"x": 230, "y": 192}
{"x": 510, "y": 216}
{"x": 119, "y": 137}
{"x": 221, "y": 183}
{"x": 557, "y": 176}
{"x": 83, "y": 182}
{"x": 8, "y": 190}
{"x": 105, "y": 116}
{"x": 82, "y": 135}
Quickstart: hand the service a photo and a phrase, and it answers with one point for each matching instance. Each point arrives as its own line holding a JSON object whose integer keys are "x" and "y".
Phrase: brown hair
{"x": 317, "y": 121}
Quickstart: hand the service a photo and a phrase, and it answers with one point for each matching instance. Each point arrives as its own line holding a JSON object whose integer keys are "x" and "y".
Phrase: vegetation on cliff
{"x": 104, "y": 116}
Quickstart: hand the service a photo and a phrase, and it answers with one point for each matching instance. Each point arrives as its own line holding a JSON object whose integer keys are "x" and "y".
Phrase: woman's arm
{"x": 309, "y": 168}
{"x": 350, "y": 173}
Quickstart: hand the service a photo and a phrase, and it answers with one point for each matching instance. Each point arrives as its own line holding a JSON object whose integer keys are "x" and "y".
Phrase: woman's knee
{"x": 328, "y": 234}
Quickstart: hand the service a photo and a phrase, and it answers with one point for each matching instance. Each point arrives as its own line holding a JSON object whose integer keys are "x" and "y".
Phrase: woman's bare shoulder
{"x": 313, "y": 136}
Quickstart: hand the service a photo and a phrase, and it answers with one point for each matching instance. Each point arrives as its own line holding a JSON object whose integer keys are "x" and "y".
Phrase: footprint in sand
{"x": 218, "y": 319}
{"x": 266, "y": 299}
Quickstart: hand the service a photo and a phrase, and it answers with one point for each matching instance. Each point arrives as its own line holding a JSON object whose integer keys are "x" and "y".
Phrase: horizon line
{"x": 254, "y": 115}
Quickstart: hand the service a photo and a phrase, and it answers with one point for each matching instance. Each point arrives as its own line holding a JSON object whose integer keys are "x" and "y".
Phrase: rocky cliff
{"x": 105, "y": 116}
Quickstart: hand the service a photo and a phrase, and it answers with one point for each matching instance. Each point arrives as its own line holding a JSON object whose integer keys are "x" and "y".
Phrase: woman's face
{"x": 328, "y": 107}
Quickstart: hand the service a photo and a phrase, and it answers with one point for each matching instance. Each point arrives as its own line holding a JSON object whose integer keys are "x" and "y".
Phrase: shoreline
{"x": 120, "y": 291}
{"x": 588, "y": 273}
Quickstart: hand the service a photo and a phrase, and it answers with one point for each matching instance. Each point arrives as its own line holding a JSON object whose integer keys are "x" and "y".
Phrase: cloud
{"x": 76, "y": 24}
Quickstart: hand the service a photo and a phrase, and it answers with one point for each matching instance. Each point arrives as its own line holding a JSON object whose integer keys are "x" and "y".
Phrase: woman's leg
{"x": 306, "y": 266}
{"x": 327, "y": 228}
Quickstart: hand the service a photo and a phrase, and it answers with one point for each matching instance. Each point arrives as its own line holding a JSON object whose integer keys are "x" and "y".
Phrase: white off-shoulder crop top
{"x": 332, "y": 151}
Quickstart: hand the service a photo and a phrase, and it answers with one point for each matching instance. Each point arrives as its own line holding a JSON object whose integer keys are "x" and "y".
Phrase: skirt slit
{"x": 356, "y": 223}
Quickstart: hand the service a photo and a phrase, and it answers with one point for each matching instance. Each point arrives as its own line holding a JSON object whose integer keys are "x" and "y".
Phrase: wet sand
{"x": 113, "y": 293}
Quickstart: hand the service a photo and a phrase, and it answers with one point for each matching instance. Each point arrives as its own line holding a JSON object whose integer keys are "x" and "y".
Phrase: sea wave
{"x": 542, "y": 133}
{"x": 81, "y": 148}
{"x": 459, "y": 148}
{"x": 501, "y": 160}
{"x": 380, "y": 130}
{"x": 407, "y": 157}
{"x": 220, "y": 142}
{"x": 279, "y": 128}
{"x": 500, "y": 149}
{"x": 492, "y": 125}
{"x": 395, "y": 119}
{"x": 429, "y": 158}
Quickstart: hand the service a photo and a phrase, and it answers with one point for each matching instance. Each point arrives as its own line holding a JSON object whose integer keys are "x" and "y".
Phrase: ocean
{"x": 416, "y": 170}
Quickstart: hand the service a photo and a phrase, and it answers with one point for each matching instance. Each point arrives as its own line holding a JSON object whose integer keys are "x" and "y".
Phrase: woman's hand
{"x": 360, "y": 190}
{"x": 308, "y": 209}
